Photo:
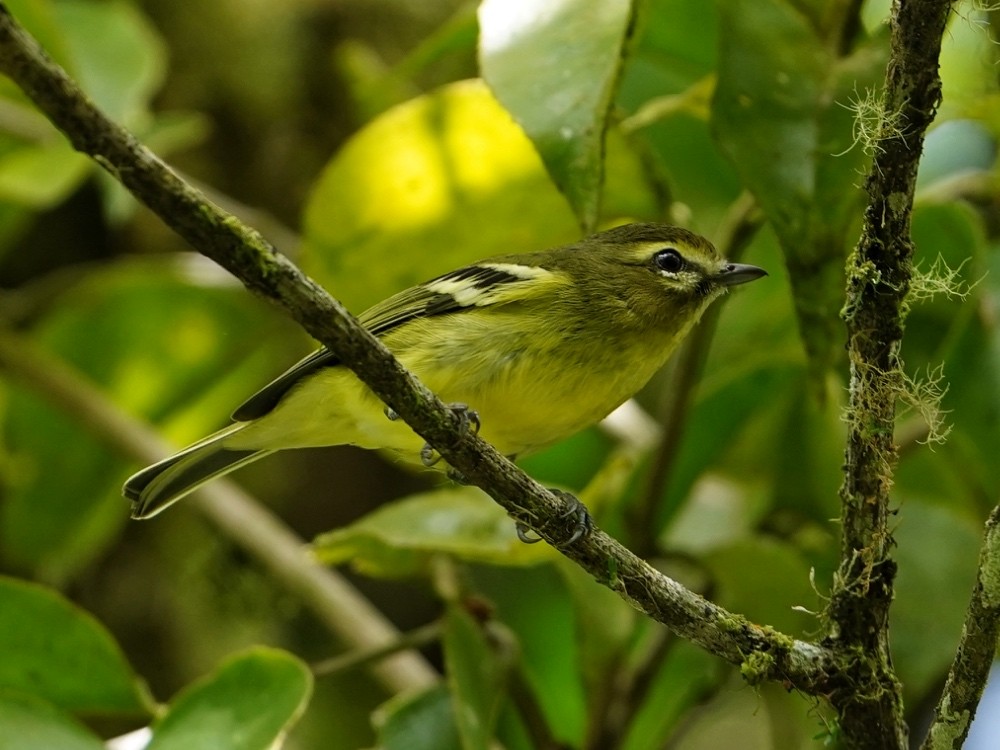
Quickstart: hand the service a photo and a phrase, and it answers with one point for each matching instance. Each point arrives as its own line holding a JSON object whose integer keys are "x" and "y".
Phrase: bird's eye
{"x": 669, "y": 260}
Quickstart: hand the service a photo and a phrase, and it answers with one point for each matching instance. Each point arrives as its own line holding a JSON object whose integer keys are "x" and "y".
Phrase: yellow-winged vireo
{"x": 540, "y": 345}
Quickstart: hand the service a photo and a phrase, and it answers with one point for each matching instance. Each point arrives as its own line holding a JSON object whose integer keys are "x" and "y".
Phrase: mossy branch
{"x": 879, "y": 274}
{"x": 249, "y": 257}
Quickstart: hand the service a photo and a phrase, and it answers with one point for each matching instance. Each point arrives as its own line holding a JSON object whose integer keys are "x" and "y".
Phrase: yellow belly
{"x": 527, "y": 396}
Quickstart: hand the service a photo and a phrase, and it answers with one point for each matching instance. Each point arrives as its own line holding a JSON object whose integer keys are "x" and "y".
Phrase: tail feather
{"x": 157, "y": 487}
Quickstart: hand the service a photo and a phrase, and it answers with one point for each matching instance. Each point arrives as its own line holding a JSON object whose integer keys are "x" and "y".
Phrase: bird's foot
{"x": 468, "y": 420}
{"x": 573, "y": 509}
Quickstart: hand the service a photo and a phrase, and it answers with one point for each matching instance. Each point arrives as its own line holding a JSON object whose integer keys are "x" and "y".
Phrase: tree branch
{"x": 761, "y": 652}
{"x": 879, "y": 275}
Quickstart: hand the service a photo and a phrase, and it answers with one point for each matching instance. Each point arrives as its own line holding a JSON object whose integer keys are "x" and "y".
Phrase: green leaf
{"x": 41, "y": 176}
{"x": 476, "y": 673}
{"x": 937, "y": 552}
{"x": 425, "y": 721}
{"x": 537, "y": 606}
{"x": 953, "y": 148}
{"x": 402, "y": 537}
{"x": 119, "y": 59}
{"x": 28, "y": 722}
{"x": 40, "y": 19}
{"x": 725, "y": 407}
{"x": 57, "y": 652}
{"x": 952, "y": 332}
{"x": 764, "y": 579}
{"x": 782, "y": 112}
{"x": 555, "y": 66}
{"x": 247, "y": 704}
{"x": 683, "y": 680}
{"x": 433, "y": 184}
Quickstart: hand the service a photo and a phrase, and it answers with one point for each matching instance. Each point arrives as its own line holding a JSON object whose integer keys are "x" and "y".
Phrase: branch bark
{"x": 879, "y": 275}
{"x": 761, "y": 652}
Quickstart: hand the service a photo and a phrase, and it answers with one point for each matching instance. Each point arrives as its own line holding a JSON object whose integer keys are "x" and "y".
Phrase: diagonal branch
{"x": 761, "y": 652}
{"x": 879, "y": 273}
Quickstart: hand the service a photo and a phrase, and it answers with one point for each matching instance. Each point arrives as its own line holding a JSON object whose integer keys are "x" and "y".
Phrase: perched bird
{"x": 539, "y": 345}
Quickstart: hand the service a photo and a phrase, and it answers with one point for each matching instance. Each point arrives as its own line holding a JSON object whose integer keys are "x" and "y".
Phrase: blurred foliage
{"x": 363, "y": 125}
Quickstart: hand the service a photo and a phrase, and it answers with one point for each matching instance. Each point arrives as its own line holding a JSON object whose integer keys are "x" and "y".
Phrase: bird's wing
{"x": 473, "y": 286}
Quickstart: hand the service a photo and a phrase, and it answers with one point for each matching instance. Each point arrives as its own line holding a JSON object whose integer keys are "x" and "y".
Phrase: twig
{"x": 242, "y": 251}
{"x": 422, "y": 636}
{"x": 879, "y": 273}
{"x": 335, "y": 602}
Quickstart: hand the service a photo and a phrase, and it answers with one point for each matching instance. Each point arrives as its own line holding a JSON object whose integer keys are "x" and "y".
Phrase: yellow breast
{"x": 529, "y": 390}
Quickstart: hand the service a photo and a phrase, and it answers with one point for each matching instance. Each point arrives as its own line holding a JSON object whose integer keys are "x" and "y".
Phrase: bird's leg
{"x": 582, "y": 526}
{"x": 468, "y": 419}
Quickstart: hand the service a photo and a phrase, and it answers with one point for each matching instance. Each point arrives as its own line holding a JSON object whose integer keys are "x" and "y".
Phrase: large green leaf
{"x": 666, "y": 87}
{"x": 402, "y": 538}
{"x": 433, "y": 184}
{"x": 554, "y": 66}
{"x": 937, "y": 553}
{"x": 27, "y": 722}
{"x": 476, "y": 672}
{"x": 950, "y": 335}
{"x": 54, "y": 651}
{"x": 724, "y": 409}
{"x": 425, "y": 721}
{"x": 767, "y": 581}
{"x": 782, "y": 112}
{"x": 537, "y": 606}
{"x": 119, "y": 59}
{"x": 39, "y": 176}
{"x": 247, "y": 704}
{"x": 685, "y": 677}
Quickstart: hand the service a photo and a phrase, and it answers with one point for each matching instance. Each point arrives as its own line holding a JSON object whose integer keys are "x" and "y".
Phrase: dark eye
{"x": 669, "y": 260}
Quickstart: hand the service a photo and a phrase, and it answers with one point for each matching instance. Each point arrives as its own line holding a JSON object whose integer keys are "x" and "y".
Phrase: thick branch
{"x": 763, "y": 653}
{"x": 878, "y": 280}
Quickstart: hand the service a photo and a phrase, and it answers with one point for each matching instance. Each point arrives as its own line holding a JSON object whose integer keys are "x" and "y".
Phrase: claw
{"x": 390, "y": 414}
{"x": 467, "y": 418}
{"x": 574, "y": 509}
{"x": 522, "y": 533}
{"x": 429, "y": 456}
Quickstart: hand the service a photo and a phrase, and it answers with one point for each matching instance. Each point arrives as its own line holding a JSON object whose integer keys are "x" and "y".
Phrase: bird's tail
{"x": 164, "y": 483}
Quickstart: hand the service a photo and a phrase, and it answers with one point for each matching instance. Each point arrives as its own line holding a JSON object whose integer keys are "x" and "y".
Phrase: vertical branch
{"x": 879, "y": 273}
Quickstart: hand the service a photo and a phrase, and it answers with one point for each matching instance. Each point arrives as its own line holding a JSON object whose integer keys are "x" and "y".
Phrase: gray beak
{"x": 738, "y": 273}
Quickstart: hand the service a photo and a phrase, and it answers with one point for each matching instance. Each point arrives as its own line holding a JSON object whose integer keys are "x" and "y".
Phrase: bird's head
{"x": 656, "y": 274}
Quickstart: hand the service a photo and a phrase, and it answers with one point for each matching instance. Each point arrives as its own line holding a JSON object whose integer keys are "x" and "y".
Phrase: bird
{"x": 532, "y": 347}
